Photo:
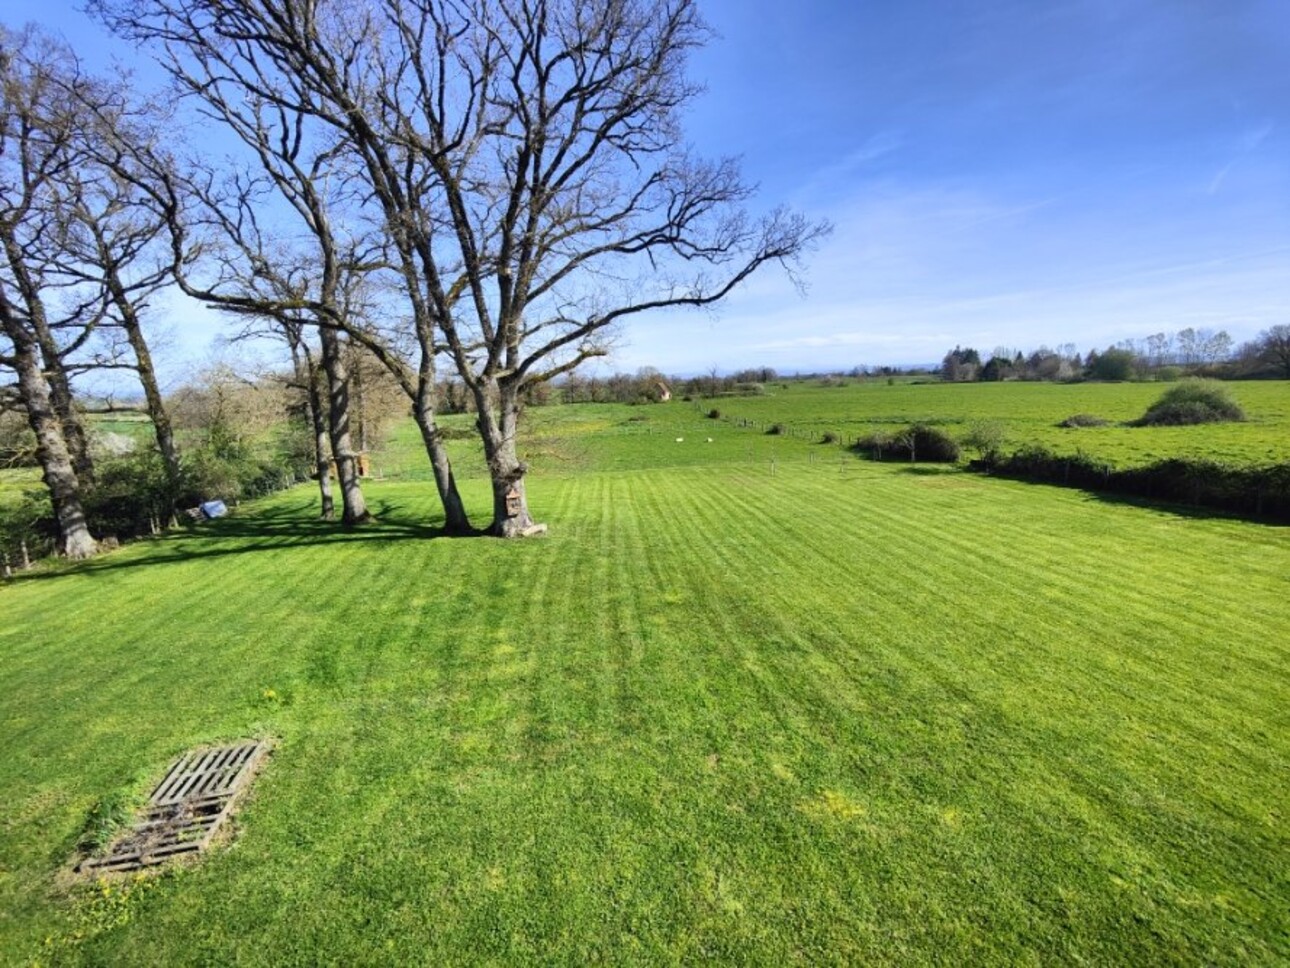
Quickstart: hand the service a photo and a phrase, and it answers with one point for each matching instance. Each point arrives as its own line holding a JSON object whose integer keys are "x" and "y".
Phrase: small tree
{"x": 1113, "y": 365}
{"x": 960, "y": 365}
{"x": 985, "y": 437}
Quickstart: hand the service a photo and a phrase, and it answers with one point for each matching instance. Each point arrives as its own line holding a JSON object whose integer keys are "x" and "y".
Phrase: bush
{"x": 1084, "y": 420}
{"x": 985, "y": 437}
{"x": 874, "y": 445}
{"x": 1169, "y": 374}
{"x": 28, "y": 521}
{"x": 919, "y": 443}
{"x": 775, "y": 429}
{"x": 714, "y": 414}
{"x": 1192, "y": 402}
{"x": 130, "y": 493}
{"x": 830, "y": 438}
{"x": 931, "y": 444}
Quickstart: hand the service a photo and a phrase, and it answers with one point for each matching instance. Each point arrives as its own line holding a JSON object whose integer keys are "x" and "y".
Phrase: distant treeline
{"x": 1161, "y": 356}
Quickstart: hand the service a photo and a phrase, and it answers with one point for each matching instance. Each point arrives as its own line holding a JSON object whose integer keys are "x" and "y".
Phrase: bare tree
{"x": 256, "y": 272}
{"x": 525, "y": 157}
{"x": 1189, "y": 346}
{"x": 116, "y": 240}
{"x": 1216, "y": 347}
{"x": 38, "y": 134}
{"x": 1274, "y": 347}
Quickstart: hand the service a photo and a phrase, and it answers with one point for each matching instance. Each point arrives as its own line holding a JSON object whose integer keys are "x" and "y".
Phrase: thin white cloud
{"x": 841, "y": 174}
{"x": 1247, "y": 144}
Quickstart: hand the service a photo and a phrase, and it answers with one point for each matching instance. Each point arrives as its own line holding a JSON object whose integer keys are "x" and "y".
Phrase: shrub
{"x": 830, "y": 438}
{"x": 1084, "y": 420}
{"x": 1169, "y": 374}
{"x": 129, "y": 494}
{"x": 1192, "y": 402}
{"x": 931, "y": 444}
{"x": 233, "y": 473}
{"x": 28, "y": 521}
{"x": 874, "y": 445}
{"x": 714, "y": 414}
{"x": 919, "y": 442}
{"x": 985, "y": 437}
{"x": 775, "y": 429}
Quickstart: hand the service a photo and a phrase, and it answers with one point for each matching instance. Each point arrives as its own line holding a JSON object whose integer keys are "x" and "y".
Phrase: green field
{"x": 748, "y": 702}
{"x": 1030, "y": 413}
{"x": 17, "y": 481}
{"x": 584, "y": 438}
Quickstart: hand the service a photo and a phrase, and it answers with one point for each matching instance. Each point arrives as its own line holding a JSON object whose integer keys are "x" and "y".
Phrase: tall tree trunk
{"x": 74, "y": 539}
{"x": 360, "y": 402}
{"x": 318, "y": 421}
{"x": 161, "y": 425}
{"x": 75, "y": 440}
{"x": 60, "y": 394}
{"x": 351, "y": 490}
{"x": 309, "y": 377}
{"x": 456, "y": 522}
{"x": 511, "y": 517}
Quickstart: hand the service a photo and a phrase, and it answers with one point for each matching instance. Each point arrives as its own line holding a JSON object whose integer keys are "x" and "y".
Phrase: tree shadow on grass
{"x": 267, "y": 529}
{"x": 1197, "y": 512}
{"x": 929, "y": 470}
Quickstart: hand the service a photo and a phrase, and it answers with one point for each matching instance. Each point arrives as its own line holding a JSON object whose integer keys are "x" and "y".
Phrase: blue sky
{"x": 999, "y": 173}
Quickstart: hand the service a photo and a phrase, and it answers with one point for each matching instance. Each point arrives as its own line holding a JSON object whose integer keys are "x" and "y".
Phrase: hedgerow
{"x": 1259, "y": 490}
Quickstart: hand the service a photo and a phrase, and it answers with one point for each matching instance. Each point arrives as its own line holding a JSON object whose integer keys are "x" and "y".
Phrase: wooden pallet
{"x": 186, "y": 809}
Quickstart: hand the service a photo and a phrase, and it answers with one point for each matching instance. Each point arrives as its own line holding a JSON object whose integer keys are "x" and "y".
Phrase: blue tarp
{"x": 214, "y": 509}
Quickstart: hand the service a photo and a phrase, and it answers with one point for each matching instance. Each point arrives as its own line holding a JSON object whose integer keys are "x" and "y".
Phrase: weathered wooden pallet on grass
{"x": 186, "y": 809}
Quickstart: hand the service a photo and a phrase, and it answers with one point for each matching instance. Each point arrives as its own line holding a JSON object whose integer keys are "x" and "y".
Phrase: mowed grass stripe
{"x": 687, "y": 725}
{"x": 1184, "y": 763}
{"x": 864, "y": 745}
{"x": 1130, "y": 679}
{"x": 1014, "y": 615}
{"x": 1071, "y": 573}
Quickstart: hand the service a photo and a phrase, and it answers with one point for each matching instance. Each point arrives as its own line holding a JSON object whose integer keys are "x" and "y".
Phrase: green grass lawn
{"x": 17, "y": 481}
{"x": 1030, "y": 413}
{"x": 844, "y": 713}
{"x": 582, "y": 438}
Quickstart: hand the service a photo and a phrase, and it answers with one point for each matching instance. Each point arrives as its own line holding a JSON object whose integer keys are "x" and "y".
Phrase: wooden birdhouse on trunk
{"x": 514, "y": 502}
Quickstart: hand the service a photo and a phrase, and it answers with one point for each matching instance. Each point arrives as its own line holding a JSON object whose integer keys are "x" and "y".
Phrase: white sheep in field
{"x": 680, "y": 440}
